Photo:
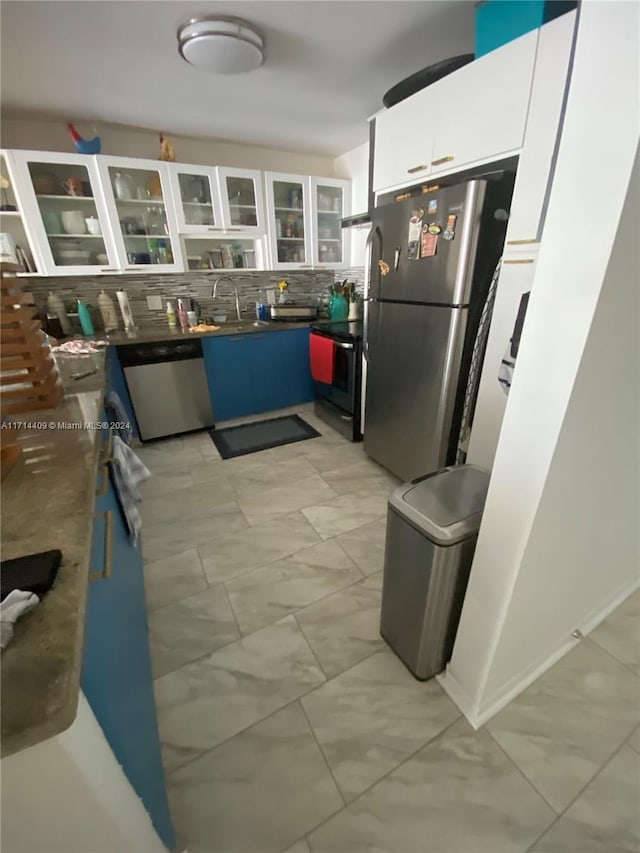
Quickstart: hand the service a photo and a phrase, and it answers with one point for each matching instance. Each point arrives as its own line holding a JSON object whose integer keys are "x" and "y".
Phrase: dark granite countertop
{"x": 152, "y": 334}
{"x": 47, "y": 502}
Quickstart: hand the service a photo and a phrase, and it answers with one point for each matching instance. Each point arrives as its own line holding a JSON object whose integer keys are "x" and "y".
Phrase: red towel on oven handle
{"x": 322, "y": 355}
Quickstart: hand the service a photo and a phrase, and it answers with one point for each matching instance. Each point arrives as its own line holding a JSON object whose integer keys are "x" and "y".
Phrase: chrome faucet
{"x": 214, "y": 292}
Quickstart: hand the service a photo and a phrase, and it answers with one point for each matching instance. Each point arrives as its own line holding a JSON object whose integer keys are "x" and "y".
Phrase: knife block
{"x": 28, "y": 376}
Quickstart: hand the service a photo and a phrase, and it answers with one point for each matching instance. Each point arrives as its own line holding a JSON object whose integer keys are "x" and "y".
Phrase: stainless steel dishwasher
{"x": 168, "y": 387}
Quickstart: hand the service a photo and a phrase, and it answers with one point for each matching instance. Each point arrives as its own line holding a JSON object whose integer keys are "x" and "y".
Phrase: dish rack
{"x": 28, "y": 376}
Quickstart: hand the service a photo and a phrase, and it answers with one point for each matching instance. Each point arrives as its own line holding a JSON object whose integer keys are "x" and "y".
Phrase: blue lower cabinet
{"x": 227, "y": 363}
{"x": 281, "y": 375}
{"x": 116, "y": 382}
{"x": 116, "y": 674}
{"x": 258, "y": 372}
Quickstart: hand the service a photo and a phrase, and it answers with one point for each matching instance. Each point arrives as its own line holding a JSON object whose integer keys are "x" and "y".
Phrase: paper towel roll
{"x": 125, "y": 310}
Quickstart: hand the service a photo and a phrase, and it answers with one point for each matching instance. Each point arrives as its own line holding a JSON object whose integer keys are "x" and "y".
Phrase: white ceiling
{"x": 327, "y": 65}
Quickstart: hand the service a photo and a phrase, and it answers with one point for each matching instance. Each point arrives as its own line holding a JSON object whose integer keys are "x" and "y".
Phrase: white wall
{"x": 41, "y": 134}
{"x": 354, "y": 166}
{"x": 552, "y": 554}
{"x": 69, "y": 795}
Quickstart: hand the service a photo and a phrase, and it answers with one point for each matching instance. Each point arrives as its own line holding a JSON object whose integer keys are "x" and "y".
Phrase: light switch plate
{"x": 154, "y": 303}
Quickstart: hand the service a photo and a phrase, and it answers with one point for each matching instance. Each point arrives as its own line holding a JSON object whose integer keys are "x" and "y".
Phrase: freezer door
{"x": 412, "y": 381}
{"x": 445, "y": 277}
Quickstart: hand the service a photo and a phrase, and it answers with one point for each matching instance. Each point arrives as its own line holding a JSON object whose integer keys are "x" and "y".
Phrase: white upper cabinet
{"x": 482, "y": 108}
{"x": 404, "y": 141}
{"x": 304, "y": 221}
{"x": 65, "y": 212}
{"x": 476, "y": 113}
{"x": 543, "y": 128}
{"x": 145, "y": 229}
{"x": 242, "y": 200}
{"x": 13, "y": 222}
{"x": 220, "y": 215}
{"x": 196, "y": 198}
{"x": 82, "y": 215}
{"x": 330, "y": 200}
{"x": 289, "y": 212}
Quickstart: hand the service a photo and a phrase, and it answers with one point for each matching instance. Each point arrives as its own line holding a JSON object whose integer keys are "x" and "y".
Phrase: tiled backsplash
{"x": 303, "y": 286}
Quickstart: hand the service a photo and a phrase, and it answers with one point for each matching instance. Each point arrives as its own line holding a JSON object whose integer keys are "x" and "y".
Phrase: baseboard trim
{"x": 478, "y": 716}
{"x": 460, "y": 697}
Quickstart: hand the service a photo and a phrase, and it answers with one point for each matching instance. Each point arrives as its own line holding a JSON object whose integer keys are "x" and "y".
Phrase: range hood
{"x": 355, "y": 220}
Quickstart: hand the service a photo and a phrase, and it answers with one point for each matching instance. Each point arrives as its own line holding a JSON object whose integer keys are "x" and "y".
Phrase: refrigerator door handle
{"x": 376, "y": 234}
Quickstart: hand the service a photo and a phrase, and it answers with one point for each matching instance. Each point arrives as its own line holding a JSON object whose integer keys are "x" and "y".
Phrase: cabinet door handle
{"x": 215, "y": 228}
{"x": 234, "y": 228}
{"x": 419, "y": 168}
{"x": 319, "y": 267}
{"x": 305, "y": 266}
{"x": 107, "y": 448}
{"x": 109, "y": 269}
{"x": 442, "y": 160}
{"x": 108, "y": 548}
{"x": 519, "y": 261}
{"x": 520, "y": 242}
{"x": 104, "y": 481}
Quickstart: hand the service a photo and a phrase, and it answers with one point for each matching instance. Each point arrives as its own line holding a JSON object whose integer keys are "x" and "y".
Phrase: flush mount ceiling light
{"x": 220, "y": 44}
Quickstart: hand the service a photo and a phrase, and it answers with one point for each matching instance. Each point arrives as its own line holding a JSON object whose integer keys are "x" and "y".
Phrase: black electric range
{"x": 339, "y": 402}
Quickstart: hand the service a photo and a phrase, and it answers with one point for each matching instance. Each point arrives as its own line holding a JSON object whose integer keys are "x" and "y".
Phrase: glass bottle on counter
{"x": 182, "y": 315}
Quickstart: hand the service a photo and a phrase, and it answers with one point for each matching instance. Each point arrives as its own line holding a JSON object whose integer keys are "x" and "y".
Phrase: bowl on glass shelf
{"x": 73, "y": 257}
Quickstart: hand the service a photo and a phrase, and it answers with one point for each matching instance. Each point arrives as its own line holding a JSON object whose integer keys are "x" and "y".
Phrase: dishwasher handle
{"x": 134, "y": 355}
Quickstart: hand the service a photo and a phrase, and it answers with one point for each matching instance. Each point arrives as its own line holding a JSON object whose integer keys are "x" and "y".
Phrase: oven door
{"x": 342, "y": 390}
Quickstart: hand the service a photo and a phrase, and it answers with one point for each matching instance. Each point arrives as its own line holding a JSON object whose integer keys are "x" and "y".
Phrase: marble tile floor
{"x": 288, "y": 726}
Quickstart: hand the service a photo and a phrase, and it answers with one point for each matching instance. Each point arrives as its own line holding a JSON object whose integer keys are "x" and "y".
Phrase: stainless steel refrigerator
{"x": 422, "y": 314}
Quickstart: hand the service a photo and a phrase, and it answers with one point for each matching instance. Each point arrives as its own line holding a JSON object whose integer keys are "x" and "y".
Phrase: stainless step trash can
{"x": 432, "y": 528}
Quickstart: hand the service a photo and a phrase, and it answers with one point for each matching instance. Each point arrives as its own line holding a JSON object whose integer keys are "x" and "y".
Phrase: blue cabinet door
{"x": 116, "y": 382}
{"x": 116, "y": 674}
{"x": 281, "y": 374}
{"x": 227, "y": 361}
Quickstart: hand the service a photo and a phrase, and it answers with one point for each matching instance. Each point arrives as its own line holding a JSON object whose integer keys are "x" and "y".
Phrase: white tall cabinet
{"x": 524, "y": 230}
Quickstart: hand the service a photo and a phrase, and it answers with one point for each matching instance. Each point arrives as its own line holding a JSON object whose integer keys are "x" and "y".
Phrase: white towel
{"x": 128, "y": 471}
{"x": 15, "y": 605}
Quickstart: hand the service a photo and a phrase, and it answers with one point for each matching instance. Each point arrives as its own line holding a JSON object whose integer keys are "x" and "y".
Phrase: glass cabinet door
{"x": 142, "y": 215}
{"x": 242, "y": 205}
{"x": 197, "y": 205}
{"x": 289, "y": 244}
{"x": 329, "y": 206}
{"x": 16, "y": 246}
{"x": 72, "y": 218}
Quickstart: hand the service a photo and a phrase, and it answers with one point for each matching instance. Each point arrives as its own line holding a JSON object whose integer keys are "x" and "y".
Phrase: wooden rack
{"x": 28, "y": 376}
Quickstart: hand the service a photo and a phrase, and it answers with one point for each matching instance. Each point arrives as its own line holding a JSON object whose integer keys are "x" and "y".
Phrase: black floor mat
{"x": 261, "y": 435}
